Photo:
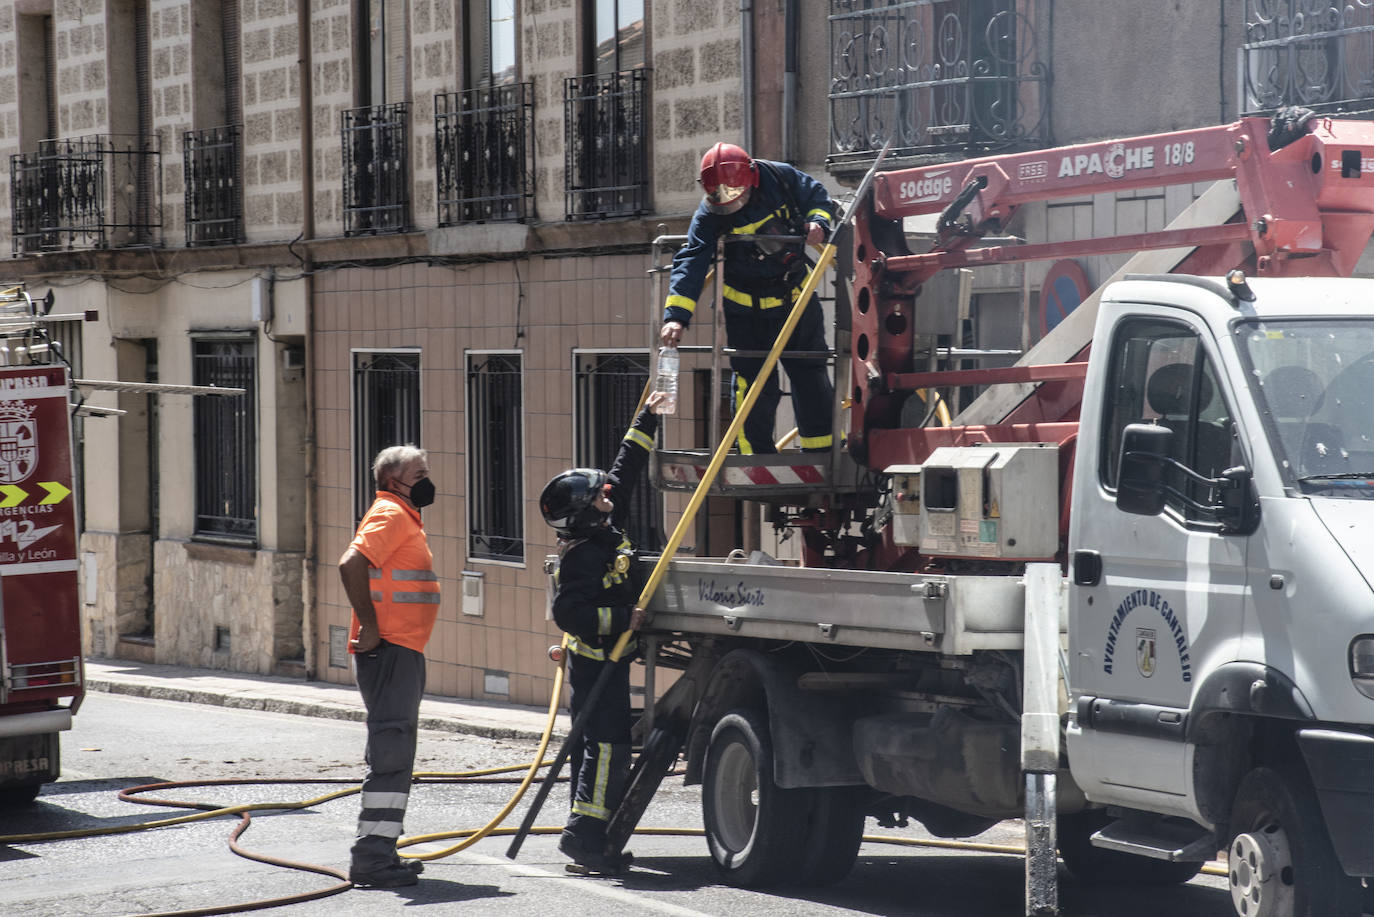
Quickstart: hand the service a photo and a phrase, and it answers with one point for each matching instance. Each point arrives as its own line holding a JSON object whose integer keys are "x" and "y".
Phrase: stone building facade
{"x": 434, "y": 220}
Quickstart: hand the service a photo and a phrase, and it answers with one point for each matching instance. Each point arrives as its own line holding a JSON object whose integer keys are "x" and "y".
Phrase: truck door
{"x": 1168, "y": 595}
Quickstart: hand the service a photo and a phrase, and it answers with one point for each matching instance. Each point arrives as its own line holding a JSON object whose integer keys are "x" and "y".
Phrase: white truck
{"x": 1193, "y": 452}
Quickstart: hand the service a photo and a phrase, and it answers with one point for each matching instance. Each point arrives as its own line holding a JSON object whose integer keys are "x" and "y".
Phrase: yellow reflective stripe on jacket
{"x": 818, "y": 212}
{"x": 681, "y": 302}
{"x": 603, "y": 620}
{"x": 640, "y": 438}
{"x": 817, "y": 442}
{"x": 763, "y": 302}
{"x": 590, "y": 652}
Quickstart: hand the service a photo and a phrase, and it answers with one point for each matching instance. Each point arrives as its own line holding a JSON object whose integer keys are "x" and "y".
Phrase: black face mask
{"x": 422, "y": 493}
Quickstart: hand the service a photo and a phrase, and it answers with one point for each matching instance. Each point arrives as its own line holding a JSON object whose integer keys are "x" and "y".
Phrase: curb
{"x": 305, "y": 708}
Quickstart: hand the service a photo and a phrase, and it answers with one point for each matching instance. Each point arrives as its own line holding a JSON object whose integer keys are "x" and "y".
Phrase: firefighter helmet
{"x": 726, "y": 173}
{"x": 567, "y": 501}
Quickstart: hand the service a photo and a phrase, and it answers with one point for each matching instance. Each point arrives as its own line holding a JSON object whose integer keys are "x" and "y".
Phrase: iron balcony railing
{"x": 376, "y": 169}
{"x": 214, "y": 185}
{"x": 1316, "y": 55}
{"x": 953, "y": 77}
{"x": 100, "y": 191}
{"x": 605, "y": 128}
{"x": 484, "y": 143}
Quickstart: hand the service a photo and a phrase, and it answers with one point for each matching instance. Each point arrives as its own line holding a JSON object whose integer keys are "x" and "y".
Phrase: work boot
{"x": 591, "y": 855}
{"x": 394, "y": 875}
{"x": 414, "y": 866}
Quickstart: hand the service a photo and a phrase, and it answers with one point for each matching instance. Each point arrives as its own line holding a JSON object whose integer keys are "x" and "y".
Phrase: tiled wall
{"x": 543, "y": 307}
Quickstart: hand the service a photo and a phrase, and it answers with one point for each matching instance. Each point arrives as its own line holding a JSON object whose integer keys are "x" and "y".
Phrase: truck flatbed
{"x": 953, "y": 615}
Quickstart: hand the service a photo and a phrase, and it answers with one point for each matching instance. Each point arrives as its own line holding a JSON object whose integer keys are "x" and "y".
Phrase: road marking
{"x": 594, "y": 886}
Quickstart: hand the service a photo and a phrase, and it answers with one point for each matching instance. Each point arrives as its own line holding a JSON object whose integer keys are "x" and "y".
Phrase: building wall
{"x": 170, "y": 40}
{"x": 273, "y": 193}
{"x": 158, "y": 580}
{"x": 542, "y": 307}
{"x": 1099, "y": 95}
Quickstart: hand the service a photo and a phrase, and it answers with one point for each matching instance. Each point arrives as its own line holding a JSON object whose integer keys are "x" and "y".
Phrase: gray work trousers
{"x": 391, "y": 679}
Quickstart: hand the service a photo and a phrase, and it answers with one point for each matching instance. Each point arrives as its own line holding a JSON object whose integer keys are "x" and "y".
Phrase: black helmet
{"x": 567, "y": 501}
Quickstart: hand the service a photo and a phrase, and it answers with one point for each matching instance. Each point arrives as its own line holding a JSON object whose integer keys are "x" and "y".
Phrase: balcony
{"x": 605, "y": 128}
{"x": 214, "y": 186}
{"x": 484, "y": 143}
{"x": 1321, "y": 58}
{"x": 376, "y": 170}
{"x": 939, "y": 77}
{"x": 100, "y": 191}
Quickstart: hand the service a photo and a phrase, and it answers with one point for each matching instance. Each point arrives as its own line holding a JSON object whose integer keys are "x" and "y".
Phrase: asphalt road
{"x": 121, "y": 742}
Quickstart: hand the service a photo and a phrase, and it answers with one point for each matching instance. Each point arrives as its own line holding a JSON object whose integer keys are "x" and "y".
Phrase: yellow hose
{"x": 491, "y": 826}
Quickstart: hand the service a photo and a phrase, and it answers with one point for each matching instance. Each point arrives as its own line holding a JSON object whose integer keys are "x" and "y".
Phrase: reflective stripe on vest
{"x": 408, "y": 597}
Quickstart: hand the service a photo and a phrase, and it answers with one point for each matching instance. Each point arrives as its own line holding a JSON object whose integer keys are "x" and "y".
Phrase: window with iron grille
{"x": 496, "y": 458}
{"x": 1317, "y": 56}
{"x": 605, "y": 145}
{"x": 958, "y": 77}
{"x": 386, "y": 412}
{"x": 484, "y": 140}
{"x": 607, "y": 390}
{"x": 226, "y": 441}
{"x": 376, "y": 164}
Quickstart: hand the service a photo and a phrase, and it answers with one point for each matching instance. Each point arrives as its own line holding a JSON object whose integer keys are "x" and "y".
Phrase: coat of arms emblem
{"x": 18, "y": 441}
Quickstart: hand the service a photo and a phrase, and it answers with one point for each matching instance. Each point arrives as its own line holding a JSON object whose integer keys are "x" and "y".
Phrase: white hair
{"x": 392, "y": 459}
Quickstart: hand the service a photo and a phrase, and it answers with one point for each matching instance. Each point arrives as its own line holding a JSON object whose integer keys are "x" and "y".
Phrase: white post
{"x": 1040, "y": 734}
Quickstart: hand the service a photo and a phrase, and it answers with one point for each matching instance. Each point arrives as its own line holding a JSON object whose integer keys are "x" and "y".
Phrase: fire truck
{"x": 1126, "y": 593}
{"x": 41, "y": 669}
{"x": 41, "y": 681}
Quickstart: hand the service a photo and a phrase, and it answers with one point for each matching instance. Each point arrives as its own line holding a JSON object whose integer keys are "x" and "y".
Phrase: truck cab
{"x": 1220, "y": 598}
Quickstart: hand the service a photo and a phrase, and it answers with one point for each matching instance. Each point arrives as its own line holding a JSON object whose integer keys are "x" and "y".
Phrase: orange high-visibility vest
{"x": 404, "y": 586}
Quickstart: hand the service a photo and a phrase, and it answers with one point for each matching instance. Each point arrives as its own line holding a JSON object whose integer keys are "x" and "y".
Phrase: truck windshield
{"x": 1313, "y": 381}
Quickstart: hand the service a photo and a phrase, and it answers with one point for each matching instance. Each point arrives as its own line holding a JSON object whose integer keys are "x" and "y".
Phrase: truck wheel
{"x": 755, "y": 830}
{"x": 835, "y": 833}
{"x": 16, "y": 796}
{"x": 1095, "y": 866}
{"x": 1280, "y": 859}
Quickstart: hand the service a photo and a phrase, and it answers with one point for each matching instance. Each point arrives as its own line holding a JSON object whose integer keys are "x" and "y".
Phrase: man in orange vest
{"x": 388, "y": 576}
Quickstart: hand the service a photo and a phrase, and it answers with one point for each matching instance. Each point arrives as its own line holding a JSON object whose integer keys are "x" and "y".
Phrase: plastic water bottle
{"x": 666, "y": 381}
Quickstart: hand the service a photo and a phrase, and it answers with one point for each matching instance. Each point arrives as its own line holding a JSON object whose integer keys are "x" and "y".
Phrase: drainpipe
{"x": 746, "y": 42}
{"x": 789, "y": 82}
{"x": 309, "y": 597}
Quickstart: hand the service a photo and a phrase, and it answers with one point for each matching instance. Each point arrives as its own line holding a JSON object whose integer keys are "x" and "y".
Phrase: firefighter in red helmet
{"x": 756, "y": 197}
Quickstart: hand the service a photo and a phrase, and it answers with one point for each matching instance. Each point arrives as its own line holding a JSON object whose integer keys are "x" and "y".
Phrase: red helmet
{"x": 726, "y": 171}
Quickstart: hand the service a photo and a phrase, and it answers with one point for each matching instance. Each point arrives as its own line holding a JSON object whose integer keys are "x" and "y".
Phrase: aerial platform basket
{"x": 772, "y": 477}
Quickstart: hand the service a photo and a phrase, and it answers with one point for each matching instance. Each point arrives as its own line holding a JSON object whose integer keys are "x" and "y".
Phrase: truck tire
{"x": 835, "y": 833}
{"x": 1095, "y": 866}
{"x": 755, "y": 830}
{"x": 1280, "y": 858}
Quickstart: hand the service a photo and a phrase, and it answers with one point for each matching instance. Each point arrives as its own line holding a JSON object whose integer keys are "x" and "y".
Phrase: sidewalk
{"x": 309, "y": 698}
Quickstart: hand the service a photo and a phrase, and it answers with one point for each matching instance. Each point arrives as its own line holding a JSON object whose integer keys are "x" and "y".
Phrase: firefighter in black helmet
{"x": 594, "y": 603}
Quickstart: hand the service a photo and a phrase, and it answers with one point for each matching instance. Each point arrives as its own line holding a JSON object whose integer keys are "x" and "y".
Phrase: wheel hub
{"x": 1261, "y": 869}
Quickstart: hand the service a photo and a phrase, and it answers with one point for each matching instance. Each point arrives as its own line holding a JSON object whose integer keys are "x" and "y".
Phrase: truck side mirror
{"x": 1140, "y": 477}
{"x": 1240, "y": 510}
